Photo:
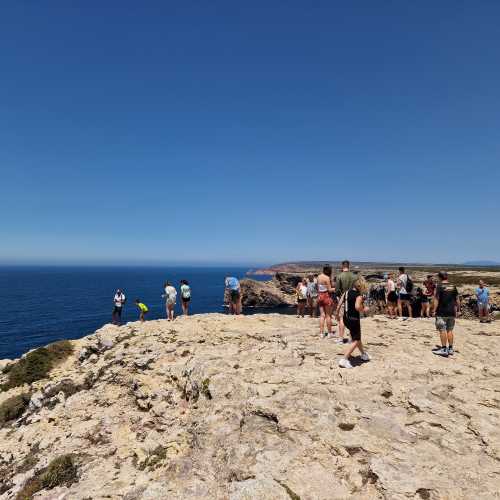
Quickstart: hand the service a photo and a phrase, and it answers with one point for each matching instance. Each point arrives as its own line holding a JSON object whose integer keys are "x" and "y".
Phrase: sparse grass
{"x": 205, "y": 388}
{"x": 61, "y": 471}
{"x": 13, "y": 408}
{"x": 37, "y": 364}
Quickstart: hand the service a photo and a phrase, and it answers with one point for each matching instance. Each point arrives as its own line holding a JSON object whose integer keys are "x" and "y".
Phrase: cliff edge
{"x": 254, "y": 407}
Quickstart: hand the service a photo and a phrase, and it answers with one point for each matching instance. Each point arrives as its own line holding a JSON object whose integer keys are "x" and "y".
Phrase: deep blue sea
{"x": 44, "y": 304}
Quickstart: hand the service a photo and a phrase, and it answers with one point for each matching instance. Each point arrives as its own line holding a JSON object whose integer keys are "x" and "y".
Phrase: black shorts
{"x": 186, "y": 299}
{"x": 405, "y": 297}
{"x": 117, "y": 310}
{"x": 301, "y": 301}
{"x": 392, "y": 297}
{"x": 354, "y": 327}
{"x": 424, "y": 299}
{"x": 235, "y": 296}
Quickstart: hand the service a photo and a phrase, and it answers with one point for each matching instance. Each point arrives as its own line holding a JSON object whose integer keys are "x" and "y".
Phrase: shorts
{"x": 424, "y": 299}
{"x": 482, "y": 307}
{"x": 354, "y": 327}
{"x": 170, "y": 302}
{"x": 186, "y": 299}
{"x": 301, "y": 301}
{"x": 235, "y": 296}
{"x": 392, "y": 297}
{"x": 405, "y": 297}
{"x": 445, "y": 324}
{"x": 312, "y": 300}
{"x": 117, "y": 310}
{"x": 324, "y": 300}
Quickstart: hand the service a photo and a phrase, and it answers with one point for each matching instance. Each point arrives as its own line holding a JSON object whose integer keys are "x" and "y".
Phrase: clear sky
{"x": 249, "y": 132}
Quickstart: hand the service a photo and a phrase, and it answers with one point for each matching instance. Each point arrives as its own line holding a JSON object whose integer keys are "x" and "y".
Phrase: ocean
{"x": 44, "y": 304}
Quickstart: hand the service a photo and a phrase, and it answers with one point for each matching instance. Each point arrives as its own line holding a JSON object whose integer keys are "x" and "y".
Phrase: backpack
{"x": 409, "y": 284}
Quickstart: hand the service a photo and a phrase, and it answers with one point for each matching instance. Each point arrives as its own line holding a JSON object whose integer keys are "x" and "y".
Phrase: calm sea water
{"x": 44, "y": 304}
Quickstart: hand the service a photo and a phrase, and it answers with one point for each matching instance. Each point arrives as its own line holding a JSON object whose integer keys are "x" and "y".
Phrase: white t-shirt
{"x": 119, "y": 299}
{"x": 171, "y": 293}
{"x": 391, "y": 287}
{"x": 402, "y": 280}
{"x": 302, "y": 291}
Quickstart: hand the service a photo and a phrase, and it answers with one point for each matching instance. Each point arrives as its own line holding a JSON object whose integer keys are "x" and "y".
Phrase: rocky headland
{"x": 250, "y": 408}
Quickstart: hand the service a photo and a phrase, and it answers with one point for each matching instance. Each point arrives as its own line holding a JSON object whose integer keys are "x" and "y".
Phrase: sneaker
{"x": 450, "y": 351}
{"x": 437, "y": 348}
{"x": 441, "y": 352}
{"x": 345, "y": 363}
{"x": 339, "y": 341}
{"x": 365, "y": 356}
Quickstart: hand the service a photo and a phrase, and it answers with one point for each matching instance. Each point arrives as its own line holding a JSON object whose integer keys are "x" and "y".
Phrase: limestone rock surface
{"x": 256, "y": 407}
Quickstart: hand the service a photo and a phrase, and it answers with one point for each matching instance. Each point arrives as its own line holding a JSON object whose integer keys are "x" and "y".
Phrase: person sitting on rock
{"x": 325, "y": 302}
{"x": 353, "y": 302}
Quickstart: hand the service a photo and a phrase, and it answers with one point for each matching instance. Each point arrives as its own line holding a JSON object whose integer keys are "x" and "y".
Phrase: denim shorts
{"x": 445, "y": 324}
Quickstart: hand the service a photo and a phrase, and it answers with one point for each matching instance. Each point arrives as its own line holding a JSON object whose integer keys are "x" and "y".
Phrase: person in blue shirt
{"x": 483, "y": 299}
{"x": 233, "y": 293}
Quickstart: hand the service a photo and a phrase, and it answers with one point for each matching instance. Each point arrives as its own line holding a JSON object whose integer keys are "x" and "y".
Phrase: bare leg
{"x": 340, "y": 320}
{"x": 400, "y": 308}
{"x": 321, "y": 319}
{"x": 355, "y": 344}
{"x": 443, "y": 336}
{"x": 449, "y": 338}
{"x": 328, "y": 314}
{"x": 408, "y": 305}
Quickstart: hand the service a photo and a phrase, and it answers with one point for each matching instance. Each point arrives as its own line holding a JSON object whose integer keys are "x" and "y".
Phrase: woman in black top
{"x": 353, "y": 305}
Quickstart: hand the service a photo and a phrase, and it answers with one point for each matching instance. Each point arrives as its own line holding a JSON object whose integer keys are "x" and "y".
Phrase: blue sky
{"x": 233, "y": 132}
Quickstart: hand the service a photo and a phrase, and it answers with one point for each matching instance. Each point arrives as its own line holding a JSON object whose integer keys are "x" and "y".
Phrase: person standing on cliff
{"x": 118, "y": 301}
{"x": 312, "y": 295}
{"x": 392, "y": 297}
{"x": 325, "y": 302}
{"x": 185, "y": 296}
{"x": 353, "y": 302}
{"x": 301, "y": 292}
{"x": 344, "y": 282}
{"x": 170, "y": 300}
{"x": 430, "y": 290}
{"x": 233, "y": 291}
{"x": 447, "y": 304}
{"x": 483, "y": 302}
{"x": 404, "y": 286}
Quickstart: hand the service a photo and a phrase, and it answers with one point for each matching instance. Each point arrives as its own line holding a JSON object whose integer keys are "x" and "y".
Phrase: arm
{"x": 360, "y": 305}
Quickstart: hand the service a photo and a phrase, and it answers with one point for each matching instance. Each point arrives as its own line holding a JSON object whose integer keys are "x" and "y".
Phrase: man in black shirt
{"x": 447, "y": 307}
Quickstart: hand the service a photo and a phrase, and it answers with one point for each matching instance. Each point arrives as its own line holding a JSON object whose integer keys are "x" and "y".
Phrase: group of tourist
{"x": 232, "y": 294}
{"x": 169, "y": 295}
{"x": 343, "y": 298}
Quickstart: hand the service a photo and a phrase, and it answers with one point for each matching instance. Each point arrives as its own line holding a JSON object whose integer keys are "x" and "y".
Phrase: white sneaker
{"x": 365, "y": 356}
{"x": 345, "y": 363}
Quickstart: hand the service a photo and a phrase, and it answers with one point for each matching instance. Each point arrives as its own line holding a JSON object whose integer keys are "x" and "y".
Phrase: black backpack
{"x": 409, "y": 284}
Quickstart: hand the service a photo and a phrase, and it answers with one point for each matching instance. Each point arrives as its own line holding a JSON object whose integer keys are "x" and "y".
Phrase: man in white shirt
{"x": 404, "y": 299}
{"x": 118, "y": 300}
